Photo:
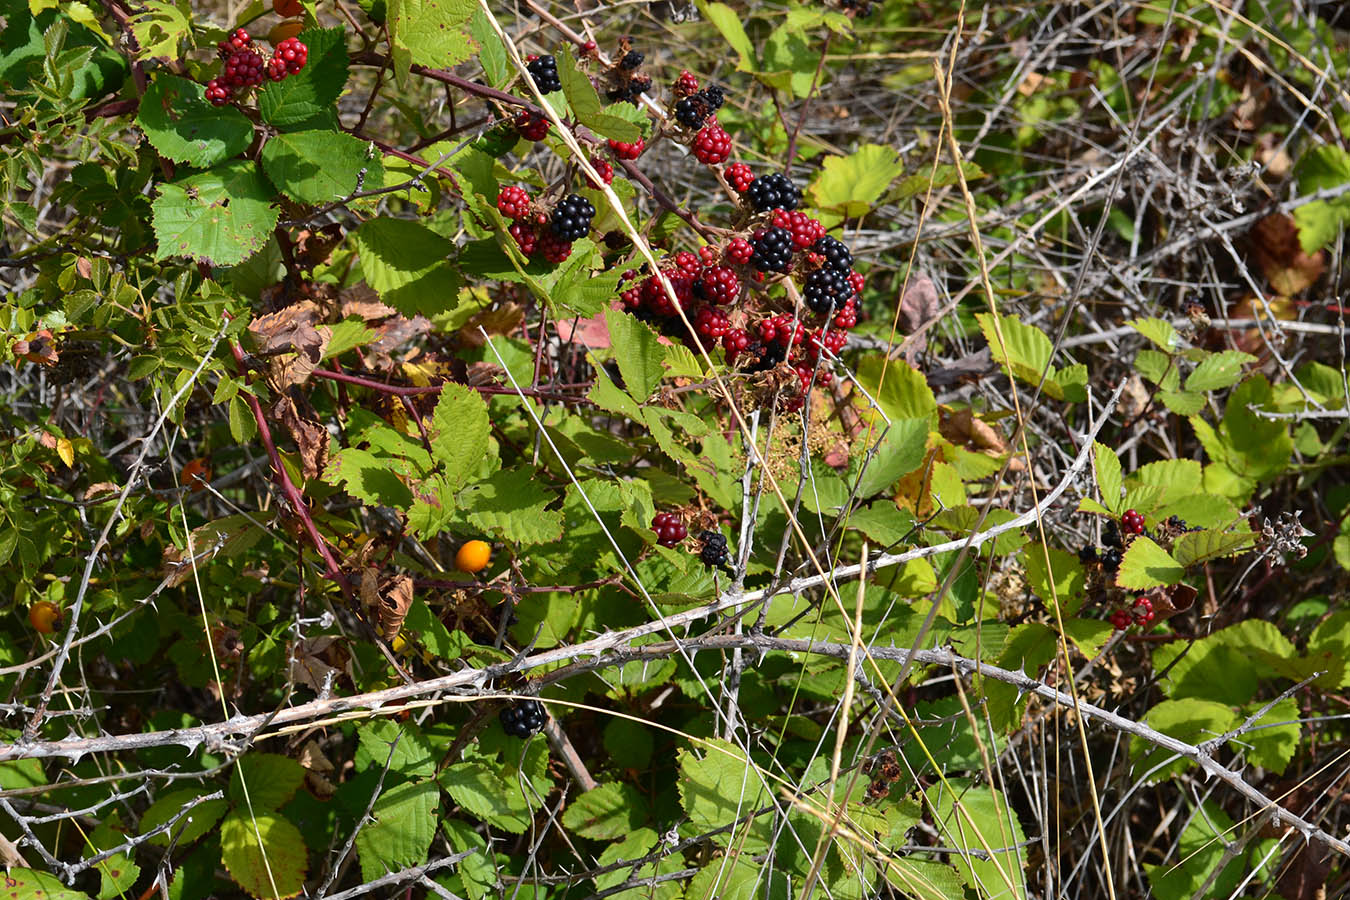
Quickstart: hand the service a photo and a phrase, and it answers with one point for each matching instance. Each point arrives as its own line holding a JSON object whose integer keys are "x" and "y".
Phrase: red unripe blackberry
{"x": 739, "y": 250}
{"x": 627, "y": 151}
{"x": 513, "y": 201}
{"x": 686, "y": 84}
{"x": 739, "y": 176}
{"x": 604, "y": 169}
{"x": 735, "y": 342}
{"x": 588, "y": 47}
{"x": 711, "y": 322}
{"x": 554, "y": 248}
{"x": 712, "y": 145}
{"x": 1121, "y": 620}
{"x": 688, "y": 262}
{"x": 804, "y": 229}
{"x": 847, "y": 317}
{"x": 531, "y": 125}
{"x": 217, "y": 93}
{"x": 719, "y": 285}
{"x": 1132, "y": 522}
{"x": 708, "y": 253}
{"x": 669, "y": 529}
{"x": 856, "y": 281}
{"x": 293, "y": 54}
{"x": 526, "y": 237}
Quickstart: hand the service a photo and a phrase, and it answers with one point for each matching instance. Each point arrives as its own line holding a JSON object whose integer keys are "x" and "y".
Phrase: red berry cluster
{"x": 531, "y": 125}
{"x": 604, "y": 169}
{"x": 531, "y": 229}
{"x": 712, "y": 144}
{"x": 1132, "y": 522}
{"x": 669, "y": 529}
{"x": 627, "y": 151}
{"x": 1140, "y": 613}
{"x": 245, "y": 66}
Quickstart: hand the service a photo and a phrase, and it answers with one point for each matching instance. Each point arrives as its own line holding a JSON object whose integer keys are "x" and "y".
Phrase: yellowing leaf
{"x": 852, "y": 184}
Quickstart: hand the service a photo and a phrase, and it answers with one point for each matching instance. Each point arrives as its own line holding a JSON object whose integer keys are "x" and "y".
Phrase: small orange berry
{"x": 284, "y": 30}
{"x": 287, "y": 8}
{"x": 44, "y": 616}
{"x": 473, "y": 556}
{"x": 196, "y": 474}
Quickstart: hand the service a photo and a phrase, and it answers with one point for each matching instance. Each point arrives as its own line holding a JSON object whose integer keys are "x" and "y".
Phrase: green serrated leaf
{"x": 487, "y": 796}
{"x": 1196, "y": 547}
{"x": 728, "y": 22}
{"x": 160, "y": 26}
{"x": 1218, "y": 370}
{"x": 185, "y": 127}
{"x": 902, "y": 451}
{"x": 1024, "y": 349}
{"x": 199, "y": 821}
{"x": 1191, "y": 720}
{"x": 320, "y": 166}
{"x": 412, "y": 755}
{"x": 1146, "y": 565}
{"x": 637, "y": 351}
{"x": 1110, "y": 483}
{"x": 368, "y": 478}
{"x": 430, "y": 33}
{"x": 265, "y": 780}
{"x": 717, "y": 785}
{"x": 402, "y": 827}
{"x": 459, "y": 433}
{"x": 850, "y": 185}
{"x": 30, "y": 884}
{"x": 607, "y": 812}
{"x": 221, "y": 216}
{"x": 1159, "y": 331}
{"x": 264, "y": 850}
{"x": 513, "y": 505}
{"x": 408, "y": 265}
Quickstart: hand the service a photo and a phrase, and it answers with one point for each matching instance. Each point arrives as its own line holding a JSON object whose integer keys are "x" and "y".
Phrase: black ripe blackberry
{"x": 713, "y": 553}
{"x": 544, "y": 71}
{"x": 572, "y": 218}
{"x": 767, "y": 356}
{"x": 691, "y": 111}
{"x": 523, "y": 719}
{"x": 826, "y": 289}
{"x": 773, "y": 250}
{"x": 1087, "y": 554}
{"x": 1111, "y": 535}
{"x": 631, "y": 60}
{"x": 773, "y": 192}
{"x": 713, "y": 96}
{"x": 1111, "y": 558}
{"x": 835, "y": 253}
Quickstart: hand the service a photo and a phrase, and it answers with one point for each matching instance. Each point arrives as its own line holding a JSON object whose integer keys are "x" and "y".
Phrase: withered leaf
{"x": 311, "y": 438}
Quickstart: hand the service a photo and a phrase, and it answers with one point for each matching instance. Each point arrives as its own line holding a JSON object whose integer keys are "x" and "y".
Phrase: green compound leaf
{"x": 221, "y": 216}
{"x": 637, "y": 351}
{"x": 309, "y": 93}
{"x": 320, "y": 166}
{"x": 407, "y": 264}
{"x": 271, "y": 780}
{"x": 183, "y": 126}
{"x": 1147, "y": 565}
{"x": 400, "y": 835}
{"x": 607, "y": 812}
{"x": 271, "y": 868}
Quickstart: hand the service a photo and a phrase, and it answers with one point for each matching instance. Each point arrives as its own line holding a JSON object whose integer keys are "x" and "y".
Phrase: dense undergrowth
{"x": 673, "y": 450}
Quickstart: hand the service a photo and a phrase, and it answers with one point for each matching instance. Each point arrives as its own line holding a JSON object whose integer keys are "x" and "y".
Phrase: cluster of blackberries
{"x": 669, "y": 529}
{"x": 836, "y": 254}
{"x": 523, "y": 719}
{"x": 774, "y": 191}
{"x": 772, "y": 250}
{"x": 245, "y": 66}
{"x": 692, "y": 111}
{"x": 1109, "y": 557}
{"x": 572, "y": 217}
{"x": 544, "y": 71}
{"x": 713, "y": 551}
